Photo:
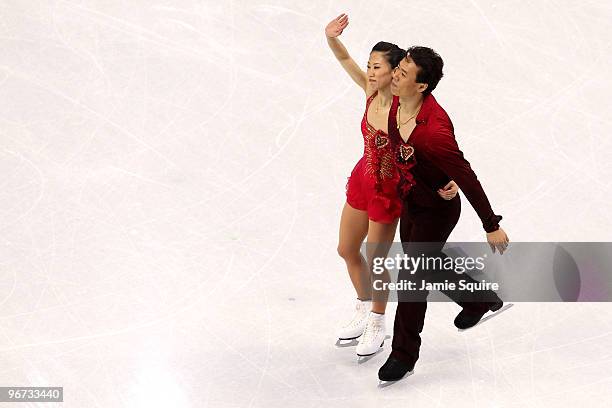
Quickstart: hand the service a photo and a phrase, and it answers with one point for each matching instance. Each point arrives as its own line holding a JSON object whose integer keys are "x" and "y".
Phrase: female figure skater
{"x": 372, "y": 206}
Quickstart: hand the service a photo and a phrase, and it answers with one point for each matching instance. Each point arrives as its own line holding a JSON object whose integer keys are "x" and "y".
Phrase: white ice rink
{"x": 172, "y": 179}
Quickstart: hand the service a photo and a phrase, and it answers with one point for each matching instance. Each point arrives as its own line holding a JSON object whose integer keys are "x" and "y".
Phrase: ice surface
{"x": 173, "y": 179}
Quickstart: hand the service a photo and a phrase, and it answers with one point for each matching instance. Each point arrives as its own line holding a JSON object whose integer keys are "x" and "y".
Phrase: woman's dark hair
{"x": 430, "y": 66}
{"x": 393, "y": 54}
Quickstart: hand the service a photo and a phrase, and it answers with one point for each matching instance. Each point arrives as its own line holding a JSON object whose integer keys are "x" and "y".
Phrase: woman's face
{"x": 379, "y": 71}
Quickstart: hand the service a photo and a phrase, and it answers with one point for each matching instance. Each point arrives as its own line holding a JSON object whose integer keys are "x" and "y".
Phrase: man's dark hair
{"x": 430, "y": 66}
{"x": 393, "y": 54}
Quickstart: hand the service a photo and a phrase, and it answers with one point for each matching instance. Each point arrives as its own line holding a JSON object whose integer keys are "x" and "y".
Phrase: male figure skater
{"x": 423, "y": 132}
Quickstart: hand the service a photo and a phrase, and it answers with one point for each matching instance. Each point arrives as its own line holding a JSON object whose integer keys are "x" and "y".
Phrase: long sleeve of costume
{"x": 443, "y": 151}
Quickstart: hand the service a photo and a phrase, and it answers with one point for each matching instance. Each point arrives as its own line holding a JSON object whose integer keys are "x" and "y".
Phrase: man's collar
{"x": 428, "y": 104}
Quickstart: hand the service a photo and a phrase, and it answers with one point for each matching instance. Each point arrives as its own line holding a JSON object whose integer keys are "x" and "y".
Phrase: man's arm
{"x": 443, "y": 151}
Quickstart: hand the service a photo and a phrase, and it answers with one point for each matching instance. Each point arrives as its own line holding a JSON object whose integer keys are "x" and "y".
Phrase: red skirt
{"x": 381, "y": 201}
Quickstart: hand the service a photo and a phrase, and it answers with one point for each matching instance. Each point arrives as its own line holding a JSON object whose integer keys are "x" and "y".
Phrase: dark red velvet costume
{"x": 435, "y": 160}
{"x": 439, "y": 161}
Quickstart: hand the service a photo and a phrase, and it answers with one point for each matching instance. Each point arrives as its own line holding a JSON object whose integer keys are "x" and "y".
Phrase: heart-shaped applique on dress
{"x": 381, "y": 141}
{"x": 405, "y": 152}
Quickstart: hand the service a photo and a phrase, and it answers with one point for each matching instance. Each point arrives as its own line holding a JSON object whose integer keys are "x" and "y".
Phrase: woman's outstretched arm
{"x": 332, "y": 31}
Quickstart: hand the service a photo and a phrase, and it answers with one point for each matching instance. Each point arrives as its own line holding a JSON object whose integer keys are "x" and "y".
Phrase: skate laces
{"x": 372, "y": 329}
{"x": 361, "y": 312}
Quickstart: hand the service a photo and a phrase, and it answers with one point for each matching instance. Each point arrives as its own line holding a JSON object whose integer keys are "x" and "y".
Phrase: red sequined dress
{"x": 373, "y": 184}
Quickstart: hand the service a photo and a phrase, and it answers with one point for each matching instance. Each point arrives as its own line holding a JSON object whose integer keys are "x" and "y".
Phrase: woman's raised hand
{"x": 336, "y": 26}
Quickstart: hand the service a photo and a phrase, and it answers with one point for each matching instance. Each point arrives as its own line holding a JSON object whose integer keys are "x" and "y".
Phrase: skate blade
{"x": 385, "y": 384}
{"x": 484, "y": 319}
{"x": 351, "y": 342}
{"x": 363, "y": 358}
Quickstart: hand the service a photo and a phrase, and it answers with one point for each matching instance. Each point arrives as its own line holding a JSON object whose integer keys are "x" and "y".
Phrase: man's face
{"x": 404, "y": 79}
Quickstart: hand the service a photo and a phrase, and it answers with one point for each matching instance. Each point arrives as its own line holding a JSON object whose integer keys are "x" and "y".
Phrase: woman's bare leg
{"x": 380, "y": 239}
{"x": 353, "y": 230}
